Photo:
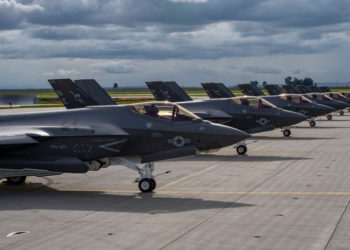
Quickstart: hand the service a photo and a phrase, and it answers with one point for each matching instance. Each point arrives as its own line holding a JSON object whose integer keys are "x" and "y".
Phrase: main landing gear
{"x": 341, "y": 112}
{"x": 16, "y": 180}
{"x": 147, "y": 182}
{"x": 329, "y": 117}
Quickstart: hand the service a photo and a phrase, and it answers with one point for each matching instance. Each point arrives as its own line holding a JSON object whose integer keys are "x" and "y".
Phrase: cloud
{"x": 261, "y": 70}
{"x": 114, "y": 67}
{"x": 62, "y": 73}
{"x": 13, "y": 13}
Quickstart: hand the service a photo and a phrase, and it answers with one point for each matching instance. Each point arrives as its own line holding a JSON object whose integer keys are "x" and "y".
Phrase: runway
{"x": 287, "y": 193}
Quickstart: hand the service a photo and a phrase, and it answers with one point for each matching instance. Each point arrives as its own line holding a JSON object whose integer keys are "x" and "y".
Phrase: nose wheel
{"x": 147, "y": 185}
{"x": 286, "y": 132}
{"x": 241, "y": 149}
{"x": 312, "y": 123}
{"x": 329, "y": 117}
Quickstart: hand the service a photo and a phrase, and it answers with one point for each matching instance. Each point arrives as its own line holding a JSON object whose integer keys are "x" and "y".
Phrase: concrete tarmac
{"x": 287, "y": 193}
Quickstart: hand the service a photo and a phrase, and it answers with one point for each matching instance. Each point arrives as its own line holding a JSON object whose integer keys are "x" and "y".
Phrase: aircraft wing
{"x": 56, "y": 149}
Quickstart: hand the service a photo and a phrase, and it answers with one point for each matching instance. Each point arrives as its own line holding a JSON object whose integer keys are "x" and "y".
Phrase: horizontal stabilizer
{"x": 217, "y": 90}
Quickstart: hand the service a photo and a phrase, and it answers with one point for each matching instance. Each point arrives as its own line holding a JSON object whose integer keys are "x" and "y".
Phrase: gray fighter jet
{"x": 250, "y": 114}
{"x": 87, "y": 139}
{"x": 320, "y": 98}
{"x": 289, "y": 102}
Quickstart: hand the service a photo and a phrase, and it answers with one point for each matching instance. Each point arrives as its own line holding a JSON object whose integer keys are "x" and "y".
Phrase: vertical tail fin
{"x": 217, "y": 90}
{"x": 324, "y": 89}
{"x": 95, "y": 91}
{"x": 249, "y": 89}
{"x": 168, "y": 91}
{"x": 70, "y": 94}
{"x": 290, "y": 89}
{"x": 303, "y": 89}
{"x": 273, "y": 89}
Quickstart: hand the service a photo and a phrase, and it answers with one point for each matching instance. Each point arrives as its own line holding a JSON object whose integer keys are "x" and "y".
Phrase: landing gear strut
{"x": 329, "y": 117}
{"x": 147, "y": 182}
{"x": 16, "y": 180}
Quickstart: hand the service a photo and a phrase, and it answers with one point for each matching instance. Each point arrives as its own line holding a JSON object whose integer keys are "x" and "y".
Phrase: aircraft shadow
{"x": 241, "y": 158}
{"x": 51, "y": 199}
{"x": 292, "y": 138}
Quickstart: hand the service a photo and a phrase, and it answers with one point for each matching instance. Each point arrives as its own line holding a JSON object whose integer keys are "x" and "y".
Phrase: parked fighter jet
{"x": 320, "y": 98}
{"x": 249, "y": 114}
{"x": 289, "y": 102}
{"x": 91, "y": 138}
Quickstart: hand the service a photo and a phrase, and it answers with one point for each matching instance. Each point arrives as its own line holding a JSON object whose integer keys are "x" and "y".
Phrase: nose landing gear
{"x": 286, "y": 132}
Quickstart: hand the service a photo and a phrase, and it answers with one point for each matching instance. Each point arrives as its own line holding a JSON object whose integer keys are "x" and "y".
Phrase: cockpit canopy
{"x": 294, "y": 98}
{"x": 164, "y": 111}
{"x": 253, "y": 102}
{"x": 320, "y": 96}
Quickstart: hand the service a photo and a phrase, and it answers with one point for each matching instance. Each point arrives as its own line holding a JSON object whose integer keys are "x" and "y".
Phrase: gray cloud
{"x": 261, "y": 70}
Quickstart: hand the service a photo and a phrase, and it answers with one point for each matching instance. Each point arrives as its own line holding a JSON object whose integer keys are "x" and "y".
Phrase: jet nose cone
{"x": 342, "y": 105}
{"x": 226, "y": 136}
{"x": 294, "y": 118}
{"x": 325, "y": 109}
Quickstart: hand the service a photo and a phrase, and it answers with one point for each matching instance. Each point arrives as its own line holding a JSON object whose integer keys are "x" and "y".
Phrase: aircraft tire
{"x": 147, "y": 185}
{"x": 329, "y": 117}
{"x": 312, "y": 123}
{"x": 17, "y": 180}
{"x": 287, "y": 132}
{"x": 241, "y": 149}
{"x": 341, "y": 112}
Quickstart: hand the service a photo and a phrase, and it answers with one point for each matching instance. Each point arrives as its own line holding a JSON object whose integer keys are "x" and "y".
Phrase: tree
{"x": 288, "y": 80}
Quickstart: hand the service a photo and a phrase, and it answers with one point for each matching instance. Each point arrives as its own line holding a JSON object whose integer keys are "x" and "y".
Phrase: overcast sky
{"x": 188, "y": 41}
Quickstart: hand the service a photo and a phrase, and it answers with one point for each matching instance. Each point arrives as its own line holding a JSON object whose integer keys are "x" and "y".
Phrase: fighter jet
{"x": 320, "y": 98}
{"x": 88, "y": 139}
{"x": 295, "y": 103}
{"x": 251, "y": 114}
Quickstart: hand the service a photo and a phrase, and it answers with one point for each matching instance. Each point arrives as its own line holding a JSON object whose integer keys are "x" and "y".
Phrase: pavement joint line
{"x": 337, "y": 225}
{"x": 185, "y": 192}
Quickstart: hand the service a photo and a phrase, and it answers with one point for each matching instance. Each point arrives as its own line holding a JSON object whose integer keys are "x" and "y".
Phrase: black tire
{"x": 329, "y": 117}
{"x": 17, "y": 180}
{"x": 287, "y": 132}
{"x": 312, "y": 123}
{"x": 241, "y": 149}
{"x": 154, "y": 184}
{"x": 341, "y": 112}
{"x": 147, "y": 185}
